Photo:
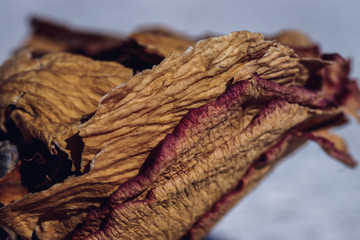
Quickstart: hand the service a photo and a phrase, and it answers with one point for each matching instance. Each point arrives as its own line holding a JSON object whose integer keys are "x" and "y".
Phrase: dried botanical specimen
{"x": 209, "y": 153}
{"x": 162, "y": 41}
{"x": 162, "y": 154}
{"x": 140, "y": 50}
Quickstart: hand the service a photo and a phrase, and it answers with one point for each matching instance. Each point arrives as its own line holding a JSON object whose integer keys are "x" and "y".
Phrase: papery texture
{"x": 47, "y": 97}
{"x": 139, "y": 50}
{"x": 299, "y": 41}
{"x": 162, "y": 41}
{"x": 183, "y": 140}
{"x": 11, "y": 188}
{"x": 52, "y": 36}
{"x": 136, "y": 116}
{"x": 178, "y": 84}
{"x": 205, "y": 158}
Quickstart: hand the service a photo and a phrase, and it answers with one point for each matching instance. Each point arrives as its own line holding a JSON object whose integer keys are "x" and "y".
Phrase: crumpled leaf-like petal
{"x": 299, "y": 41}
{"x": 130, "y": 126}
{"x": 136, "y": 116}
{"x": 11, "y": 188}
{"x": 162, "y": 41}
{"x": 50, "y": 36}
{"x": 140, "y": 50}
{"x": 47, "y": 97}
{"x": 206, "y": 157}
{"x": 337, "y": 85}
{"x": 178, "y": 84}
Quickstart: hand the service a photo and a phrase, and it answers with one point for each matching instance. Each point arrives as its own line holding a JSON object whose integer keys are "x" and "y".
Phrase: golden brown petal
{"x": 162, "y": 41}
{"x": 47, "y": 97}
{"x": 157, "y": 99}
{"x": 299, "y": 41}
{"x": 132, "y": 119}
{"x": 11, "y": 188}
{"x": 205, "y": 158}
{"x": 125, "y": 122}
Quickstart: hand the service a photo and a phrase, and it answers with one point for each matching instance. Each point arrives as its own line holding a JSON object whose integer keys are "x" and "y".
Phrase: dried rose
{"x": 163, "y": 139}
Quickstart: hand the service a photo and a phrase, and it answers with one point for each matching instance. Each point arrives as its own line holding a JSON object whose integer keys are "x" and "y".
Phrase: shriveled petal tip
{"x": 330, "y": 148}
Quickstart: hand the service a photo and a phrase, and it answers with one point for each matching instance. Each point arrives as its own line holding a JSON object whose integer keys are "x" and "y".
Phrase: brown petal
{"x": 206, "y": 157}
{"x": 249, "y": 181}
{"x": 139, "y": 51}
{"x": 47, "y": 97}
{"x": 162, "y": 41}
{"x": 52, "y": 36}
{"x": 152, "y": 103}
{"x": 11, "y": 188}
{"x": 334, "y": 146}
{"x": 299, "y": 41}
{"x": 135, "y": 117}
{"x": 337, "y": 85}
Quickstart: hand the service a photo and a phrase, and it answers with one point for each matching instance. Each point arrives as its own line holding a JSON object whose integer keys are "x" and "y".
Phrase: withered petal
{"x": 47, "y": 97}
{"x": 151, "y": 103}
{"x": 206, "y": 157}
{"x": 11, "y": 187}
{"x": 221, "y": 148}
{"x": 162, "y": 41}
{"x": 330, "y": 147}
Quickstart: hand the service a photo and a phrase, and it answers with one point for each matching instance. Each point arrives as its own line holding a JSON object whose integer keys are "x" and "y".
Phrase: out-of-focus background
{"x": 309, "y": 195}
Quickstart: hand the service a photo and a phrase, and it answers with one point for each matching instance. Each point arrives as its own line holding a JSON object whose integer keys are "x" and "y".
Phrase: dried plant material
{"x": 152, "y": 103}
{"x": 255, "y": 173}
{"x": 49, "y": 96}
{"x": 139, "y": 51}
{"x": 184, "y": 140}
{"x": 11, "y": 187}
{"x": 160, "y": 97}
{"x": 211, "y": 147}
{"x": 338, "y": 87}
{"x": 330, "y": 147}
{"x": 162, "y": 41}
{"x": 50, "y": 36}
{"x": 299, "y": 41}
{"x": 294, "y": 38}
{"x": 335, "y": 84}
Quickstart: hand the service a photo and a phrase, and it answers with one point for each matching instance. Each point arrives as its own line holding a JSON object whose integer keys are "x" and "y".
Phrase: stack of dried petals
{"x": 155, "y": 135}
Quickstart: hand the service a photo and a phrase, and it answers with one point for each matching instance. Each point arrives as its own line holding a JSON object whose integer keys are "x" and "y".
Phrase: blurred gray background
{"x": 308, "y": 195}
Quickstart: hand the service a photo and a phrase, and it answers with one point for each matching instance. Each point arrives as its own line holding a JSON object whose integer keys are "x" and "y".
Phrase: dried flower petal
{"x": 222, "y": 147}
{"x": 299, "y": 41}
{"x": 211, "y": 147}
{"x": 50, "y": 36}
{"x": 11, "y": 188}
{"x": 138, "y": 115}
{"x": 329, "y": 145}
{"x": 160, "y": 97}
{"x": 139, "y": 51}
{"x": 47, "y": 97}
{"x": 162, "y": 41}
